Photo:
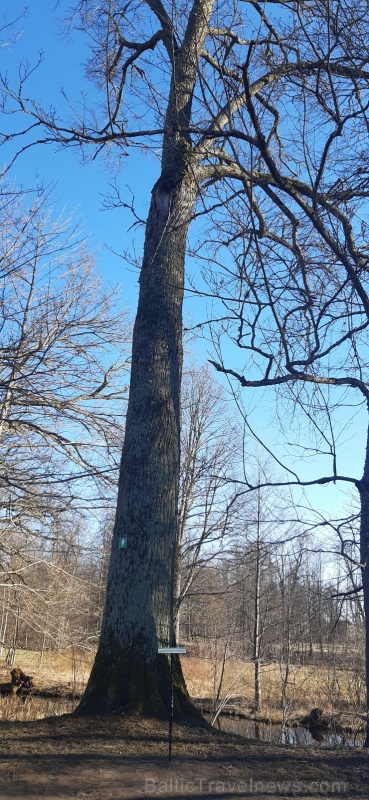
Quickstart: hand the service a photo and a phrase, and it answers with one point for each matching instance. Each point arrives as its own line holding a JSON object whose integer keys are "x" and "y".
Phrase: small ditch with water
{"x": 293, "y": 735}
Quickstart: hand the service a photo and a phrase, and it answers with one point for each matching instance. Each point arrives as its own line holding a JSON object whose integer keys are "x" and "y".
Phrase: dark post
{"x": 171, "y": 651}
{"x": 170, "y": 710}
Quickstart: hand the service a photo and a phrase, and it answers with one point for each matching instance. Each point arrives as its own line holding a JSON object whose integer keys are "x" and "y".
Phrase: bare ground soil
{"x": 110, "y": 757}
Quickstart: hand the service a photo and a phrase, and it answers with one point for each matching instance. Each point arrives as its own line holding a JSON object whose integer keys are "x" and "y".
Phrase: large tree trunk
{"x": 128, "y": 674}
{"x": 364, "y": 558}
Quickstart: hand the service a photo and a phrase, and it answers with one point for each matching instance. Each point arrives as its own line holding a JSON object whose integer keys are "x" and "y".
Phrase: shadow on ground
{"x": 111, "y": 757}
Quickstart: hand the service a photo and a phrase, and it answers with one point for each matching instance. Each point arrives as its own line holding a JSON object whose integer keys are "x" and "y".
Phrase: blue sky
{"x": 81, "y": 187}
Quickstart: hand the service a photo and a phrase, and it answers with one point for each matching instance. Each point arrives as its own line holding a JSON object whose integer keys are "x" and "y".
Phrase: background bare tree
{"x": 210, "y": 451}
{"x": 63, "y": 360}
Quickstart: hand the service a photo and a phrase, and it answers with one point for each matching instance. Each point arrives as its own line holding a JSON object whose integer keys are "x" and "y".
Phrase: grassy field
{"x": 336, "y": 692}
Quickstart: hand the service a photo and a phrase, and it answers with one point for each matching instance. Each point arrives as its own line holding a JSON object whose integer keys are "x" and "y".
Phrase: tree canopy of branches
{"x": 228, "y": 92}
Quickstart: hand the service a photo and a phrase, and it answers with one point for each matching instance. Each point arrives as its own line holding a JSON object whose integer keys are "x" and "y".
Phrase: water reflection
{"x": 298, "y": 735}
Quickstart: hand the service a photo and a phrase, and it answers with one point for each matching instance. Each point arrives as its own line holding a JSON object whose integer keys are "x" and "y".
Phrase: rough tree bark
{"x": 128, "y": 674}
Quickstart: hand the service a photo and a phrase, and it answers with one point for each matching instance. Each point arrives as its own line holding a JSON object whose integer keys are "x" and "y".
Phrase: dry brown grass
{"x": 23, "y": 709}
{"x": 70, "y": 668}
{"x": 65, "y": 672}
{"x": 308, "y": 686}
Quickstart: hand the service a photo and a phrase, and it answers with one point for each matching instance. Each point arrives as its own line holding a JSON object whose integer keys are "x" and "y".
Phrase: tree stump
{"x": 20, "y": 683}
